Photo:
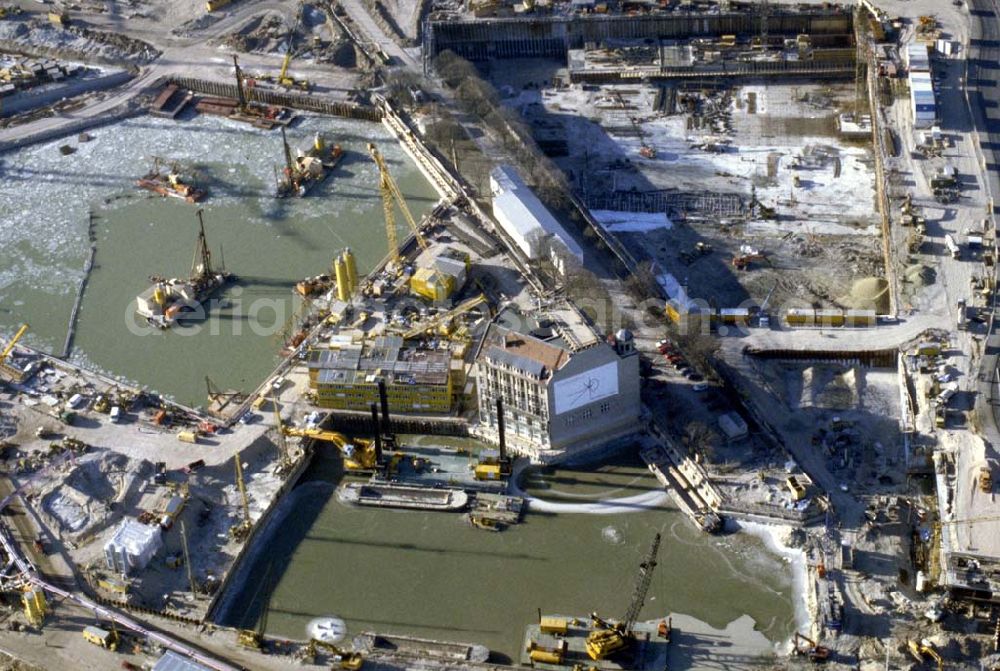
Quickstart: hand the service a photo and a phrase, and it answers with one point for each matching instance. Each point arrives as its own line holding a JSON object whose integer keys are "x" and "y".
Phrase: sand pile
{"x": 869, "y": 293}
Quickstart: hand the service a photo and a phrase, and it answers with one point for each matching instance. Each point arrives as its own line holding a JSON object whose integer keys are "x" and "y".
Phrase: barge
{"x": 166, "y": 301}
{"x": 390, "y": 495}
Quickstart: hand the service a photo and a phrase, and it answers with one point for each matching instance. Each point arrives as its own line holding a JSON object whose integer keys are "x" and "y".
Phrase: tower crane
{"x": 609, "y": 638}
{"x": 442, "y": 320}
{"x": 13, "y": 341}
{"x": 241, "y": 529}
{"x": 390, "y": 194}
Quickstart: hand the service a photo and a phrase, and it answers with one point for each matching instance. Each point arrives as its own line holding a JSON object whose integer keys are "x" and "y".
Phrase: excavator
{"x": 359, "y": 454}
{"x": 607, "y": 638}
{"x": 349, "y": 661}
{"x": 803, "y": 645}
{"x": 922, "y": 648}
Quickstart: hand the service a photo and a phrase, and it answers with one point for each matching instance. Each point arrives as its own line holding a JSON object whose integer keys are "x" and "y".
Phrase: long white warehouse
{"x": 527, "y": 222}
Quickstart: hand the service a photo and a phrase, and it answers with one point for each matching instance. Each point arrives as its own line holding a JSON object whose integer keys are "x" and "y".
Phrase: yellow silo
{"x": 352, "y": 268}
{"x": 343, "y": 281}
{"x": 34, "y": 605}
{"x": 160, "y": 294}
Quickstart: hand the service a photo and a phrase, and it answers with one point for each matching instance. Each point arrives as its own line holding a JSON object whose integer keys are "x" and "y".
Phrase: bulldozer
{"x": 805, "y": 646}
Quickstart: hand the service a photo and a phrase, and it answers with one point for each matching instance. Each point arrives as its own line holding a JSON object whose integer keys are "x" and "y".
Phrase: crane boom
{"x": 13, "y": 341}
{"x": 443, "y": 318}
{"x": 641, "y": 585}
{"x": 243, "y": 489}
{"x": 390, "y": 194}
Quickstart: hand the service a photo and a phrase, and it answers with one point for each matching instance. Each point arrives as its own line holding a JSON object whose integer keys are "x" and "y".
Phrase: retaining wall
{"x": 553, "y": 36}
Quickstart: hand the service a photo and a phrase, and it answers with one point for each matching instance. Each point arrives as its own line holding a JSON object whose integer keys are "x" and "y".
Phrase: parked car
{"x": 700, "y": 386}
{"x": 695, "y": 377}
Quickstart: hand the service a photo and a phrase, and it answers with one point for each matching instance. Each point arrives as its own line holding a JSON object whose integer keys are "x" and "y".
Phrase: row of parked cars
{"x": 680, "y": 365}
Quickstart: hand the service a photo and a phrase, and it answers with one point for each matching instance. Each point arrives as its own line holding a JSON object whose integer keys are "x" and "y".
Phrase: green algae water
{"x": 433, "y": 575}
{"x": 46, "y": 202}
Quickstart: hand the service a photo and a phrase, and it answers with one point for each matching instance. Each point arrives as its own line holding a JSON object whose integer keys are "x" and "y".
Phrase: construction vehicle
{"x": 102, "y": 637}
{"x": 442, "y": 323}
{"x": 391, "y": 194}
{"x": 924, "y": 648}
{"x": 985, "y": 479}
{"x": 795, "y": 488}
{"x": 803, "y": 645}
{"x": 349, "y": 661}
{"x": 606, "y": 638}
{"x": 747, "y": 256}
{"x": 284, "y": 80}
{"x": 241, "y": 529}
{"x": 359, "y": 454}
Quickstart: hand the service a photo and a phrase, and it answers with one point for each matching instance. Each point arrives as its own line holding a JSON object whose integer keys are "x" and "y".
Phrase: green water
{"x": 432, "y": 574}
{"x": 268, "y": 243}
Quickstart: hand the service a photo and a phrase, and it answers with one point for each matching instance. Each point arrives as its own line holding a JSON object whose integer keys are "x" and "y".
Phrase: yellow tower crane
{"x": 440, "y": 324}
{"x": 241, "y": 529}
{"x": 390, "y": 194}
{"x": 13, "y": 341}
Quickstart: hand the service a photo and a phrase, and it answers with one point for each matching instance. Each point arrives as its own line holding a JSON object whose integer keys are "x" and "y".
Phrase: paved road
{"x": 984, "y": 100}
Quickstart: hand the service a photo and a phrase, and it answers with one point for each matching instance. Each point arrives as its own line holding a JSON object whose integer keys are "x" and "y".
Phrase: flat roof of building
{"x": 171, "y": 661}
{"x": 385, "y": 356}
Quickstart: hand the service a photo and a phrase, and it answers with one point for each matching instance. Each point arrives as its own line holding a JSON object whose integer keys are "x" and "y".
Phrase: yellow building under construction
{"x": 417, "y": 380}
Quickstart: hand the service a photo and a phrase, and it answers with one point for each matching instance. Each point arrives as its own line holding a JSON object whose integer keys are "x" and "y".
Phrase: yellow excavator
{"x": 392, "y": 195}
{"x": 607, "y": 638}
{"x": 922, "y": 648}
{"x": 359, "y": 454}
{"x": 803, "y": 645}
{"x": 349, "y": 661}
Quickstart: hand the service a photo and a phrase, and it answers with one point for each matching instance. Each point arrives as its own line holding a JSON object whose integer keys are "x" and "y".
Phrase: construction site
{"x": 550, "y": 335}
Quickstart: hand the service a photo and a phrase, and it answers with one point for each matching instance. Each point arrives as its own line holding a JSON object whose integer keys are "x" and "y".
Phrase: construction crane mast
{"x": 606, "y": 638}
{"x": 13, "y": 341}
{"x": 240, "y": 530}
{"x": 391, "y": 194}
{"x": 283, "y": 79}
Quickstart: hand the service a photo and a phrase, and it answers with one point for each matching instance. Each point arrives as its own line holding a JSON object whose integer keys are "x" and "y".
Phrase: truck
{"x": 102, "y": 637}
{"x": 953, "y": 248}
{"x": 796, "y": 488}
{"x": 187, "y": 437}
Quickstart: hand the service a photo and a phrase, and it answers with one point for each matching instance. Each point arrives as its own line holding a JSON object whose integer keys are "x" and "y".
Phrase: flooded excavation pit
{"x": 55, "y": 208}
{"x": 432, "y": 574}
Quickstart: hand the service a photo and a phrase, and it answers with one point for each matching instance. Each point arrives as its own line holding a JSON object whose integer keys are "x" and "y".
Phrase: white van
{"x": 116, "y": 414}
{"x": 75, "y": 401}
